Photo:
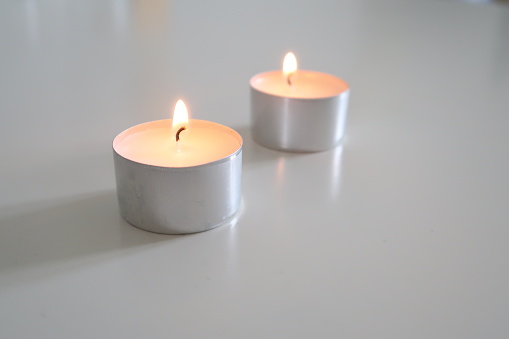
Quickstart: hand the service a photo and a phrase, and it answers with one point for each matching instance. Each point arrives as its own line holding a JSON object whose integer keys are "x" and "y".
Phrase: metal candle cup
{"x": 306, "y": 115}
{"x": 183, "y": 199}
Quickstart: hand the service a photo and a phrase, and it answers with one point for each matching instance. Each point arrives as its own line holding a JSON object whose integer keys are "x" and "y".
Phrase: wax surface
{"x": 305, "y": 84}
{"x": 153, "y": 143}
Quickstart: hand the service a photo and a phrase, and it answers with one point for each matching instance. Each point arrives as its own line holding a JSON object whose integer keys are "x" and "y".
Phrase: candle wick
{"x": 288, "y": 79}
{"x": 177, "y": 136}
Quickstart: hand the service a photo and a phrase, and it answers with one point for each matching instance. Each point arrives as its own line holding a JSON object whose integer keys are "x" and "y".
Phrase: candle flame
{"x": 289, "y": 66}
{"x": 180, "y": 117}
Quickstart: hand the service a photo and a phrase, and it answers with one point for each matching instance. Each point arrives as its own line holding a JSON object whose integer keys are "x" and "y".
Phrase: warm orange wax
{"x": 305, "y": 84}
{"x": 153, "y": 143}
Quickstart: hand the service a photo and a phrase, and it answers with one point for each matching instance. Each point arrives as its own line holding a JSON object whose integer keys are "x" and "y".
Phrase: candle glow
{"x": 289, "y": 66}
{"x": 178, "y": 186}
{"x": 298, "y": 110}
{"x": 180, "y": 118}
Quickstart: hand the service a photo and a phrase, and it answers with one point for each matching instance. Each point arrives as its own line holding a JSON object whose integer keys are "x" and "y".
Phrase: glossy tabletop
{"x": 402, "y": 232}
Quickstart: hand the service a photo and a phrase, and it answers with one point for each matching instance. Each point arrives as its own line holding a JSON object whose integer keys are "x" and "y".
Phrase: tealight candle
{"x": 298, "y": 110}
{"x": 178, "y": 176}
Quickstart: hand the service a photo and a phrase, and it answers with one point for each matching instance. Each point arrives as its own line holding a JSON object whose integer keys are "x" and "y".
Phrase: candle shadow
{"x": 253, "y": 153}
{"x": 48, "y": 237}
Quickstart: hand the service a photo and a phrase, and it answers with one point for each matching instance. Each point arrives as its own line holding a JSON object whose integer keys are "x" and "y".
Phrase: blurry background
{"x": 400, "y": 233}
{"x": 74, "y": 74}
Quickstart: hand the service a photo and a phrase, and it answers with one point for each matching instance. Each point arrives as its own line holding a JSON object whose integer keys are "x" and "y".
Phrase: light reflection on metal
{"x": 151, "y": 16}
{"x": 335, "y": 172}
{"x": 298, "y": 125}
{"x": 121, "y": 15}
{"x": 32, "y": 16}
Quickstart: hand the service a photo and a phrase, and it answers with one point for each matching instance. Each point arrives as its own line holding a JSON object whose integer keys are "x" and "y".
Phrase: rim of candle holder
{"x": 170, "y": 168}
{"x": 347, "y": 86}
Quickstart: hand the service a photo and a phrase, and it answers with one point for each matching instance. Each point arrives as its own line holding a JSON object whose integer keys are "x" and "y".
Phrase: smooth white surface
{"x": 402, "y": 233}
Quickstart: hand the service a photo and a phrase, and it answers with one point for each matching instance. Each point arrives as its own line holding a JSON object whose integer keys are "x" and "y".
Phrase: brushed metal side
{"x": 179, "y": 200}
{"x": 298, "y": 125}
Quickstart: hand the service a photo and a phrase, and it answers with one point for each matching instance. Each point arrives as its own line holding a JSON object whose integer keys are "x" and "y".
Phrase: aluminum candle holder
{"x": 310, "y": 118}
{"x": 178, "y": 200}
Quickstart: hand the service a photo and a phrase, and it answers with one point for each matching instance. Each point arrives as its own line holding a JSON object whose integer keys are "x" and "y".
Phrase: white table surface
{"x": 401, "y": 233}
